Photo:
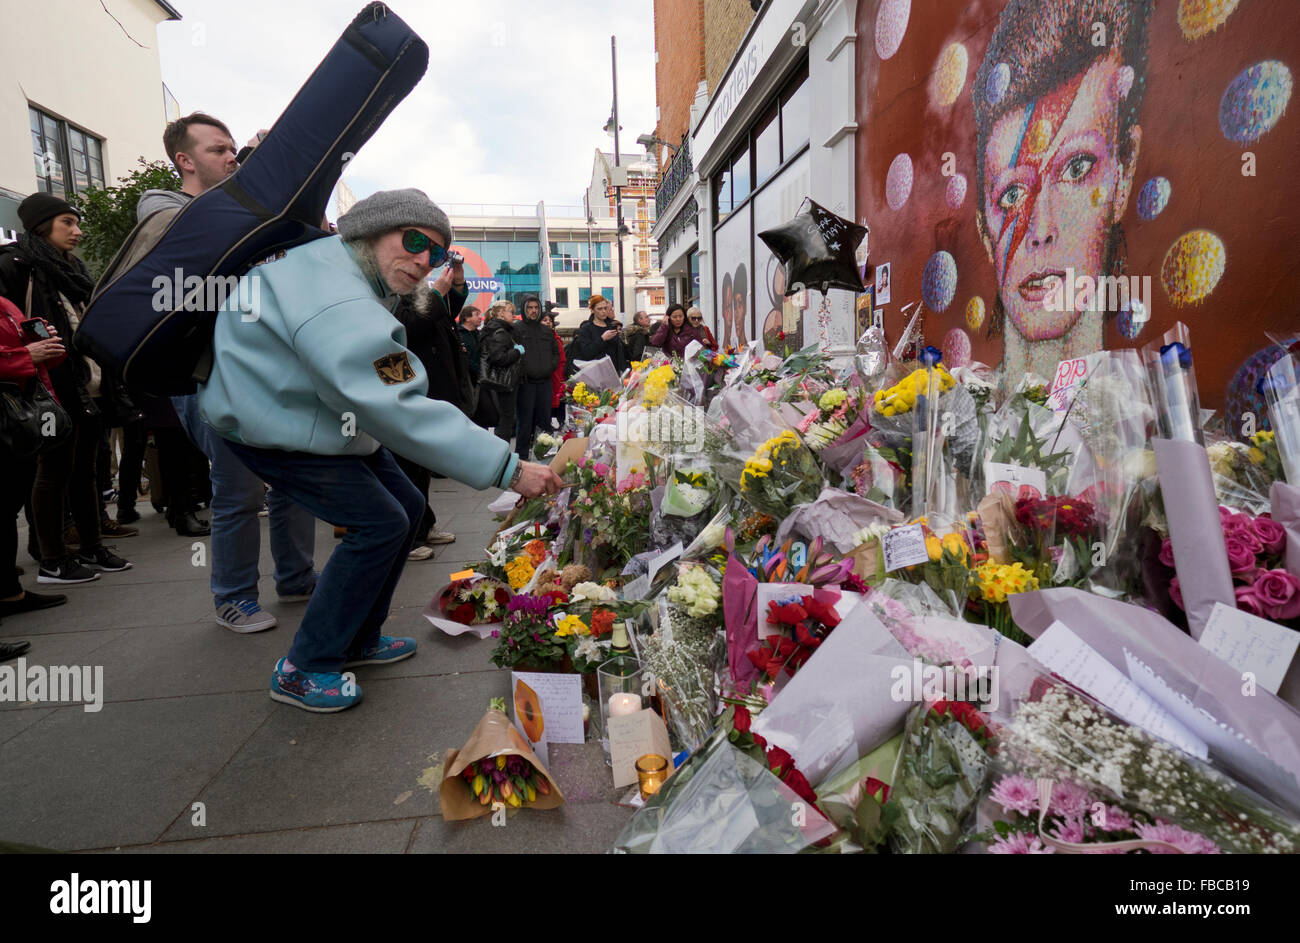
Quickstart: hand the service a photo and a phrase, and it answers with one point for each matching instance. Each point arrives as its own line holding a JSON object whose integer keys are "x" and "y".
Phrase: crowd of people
{"x": 491, "y": 378}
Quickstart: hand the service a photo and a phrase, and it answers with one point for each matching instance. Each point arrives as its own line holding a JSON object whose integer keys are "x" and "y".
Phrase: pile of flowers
{"x": 809, "y": 621}
{"x": 780, "y": 475}
{"x": 836, "y": 410}
{"x": 656, "y": 385}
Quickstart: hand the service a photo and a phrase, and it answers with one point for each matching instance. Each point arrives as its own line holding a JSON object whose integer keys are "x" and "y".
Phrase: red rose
{"x": 758, "y": 738}
{"x": 502, "y": 596}
{"x": 742, "y": 719}
{"x": 464, "y": 613}
{"x": 877, "y": 788}
{"x": 778, "y": 760}
{"x": 796, "y": 781}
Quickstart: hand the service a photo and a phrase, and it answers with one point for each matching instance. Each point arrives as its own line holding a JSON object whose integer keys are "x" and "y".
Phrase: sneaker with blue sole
{"x": 388, "y": 651}
{"x": 321, "y": 692}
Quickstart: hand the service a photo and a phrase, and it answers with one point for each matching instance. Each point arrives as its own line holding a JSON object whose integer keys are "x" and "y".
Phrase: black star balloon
{"x": 817, "y": 249}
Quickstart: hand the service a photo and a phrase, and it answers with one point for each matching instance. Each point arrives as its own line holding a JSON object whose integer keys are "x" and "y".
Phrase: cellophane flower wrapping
{"x": 1172, "y": 376}
{"x": 1060, "y": 734}
{"x": 943, "y": 768}
{"x": 1281, "y": 387}
{"x": 722, "y": 801}
{"x": 597, "y": 375}
{"x": 685, "y": 656}
{"x": 764, "y": 459}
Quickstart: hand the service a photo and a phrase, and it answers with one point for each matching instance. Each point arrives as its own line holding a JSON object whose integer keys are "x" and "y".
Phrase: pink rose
{"x": 1176, "y": 593}
{"x": 1226, "y": 513}
{"x": 1241, "y": 558}
{"x": 1240, "y": 527}
{"x": 1167, "y": 553}
{"x": 1270, "y": 533}
{"x": 1278, "y": 592}
{"x": 1248, "y": 602}
{"x": 601, "y": 469}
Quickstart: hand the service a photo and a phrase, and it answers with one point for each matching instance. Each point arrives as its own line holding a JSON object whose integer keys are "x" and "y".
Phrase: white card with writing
{"x": 1077, "y": 662}
{"x": 561, "y": 703}
{"x": 659, "y": 562}
{"x": 1251, "y": 644}
{"x": 1004, "y": 476}
{"x": 904, "y": 546}
{"x": 631, "y": 737}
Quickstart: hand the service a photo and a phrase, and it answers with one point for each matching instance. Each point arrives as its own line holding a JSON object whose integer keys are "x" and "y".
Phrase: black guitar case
{"x": 274, "y": 201}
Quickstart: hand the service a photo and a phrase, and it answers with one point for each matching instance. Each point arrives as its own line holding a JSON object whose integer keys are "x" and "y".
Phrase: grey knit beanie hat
{"x": 392, "y": 209}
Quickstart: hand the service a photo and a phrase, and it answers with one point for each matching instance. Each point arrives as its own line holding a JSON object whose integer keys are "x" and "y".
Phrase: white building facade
{"x": 780, "y": 127}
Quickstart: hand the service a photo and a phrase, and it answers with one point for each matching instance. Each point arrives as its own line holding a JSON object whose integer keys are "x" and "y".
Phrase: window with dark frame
{"x": 67, "y": 160}
{"x": 562, "y": 297}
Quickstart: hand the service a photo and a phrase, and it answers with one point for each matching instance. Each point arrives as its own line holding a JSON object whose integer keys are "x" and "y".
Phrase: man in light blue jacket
{"x": 311, "y": 387}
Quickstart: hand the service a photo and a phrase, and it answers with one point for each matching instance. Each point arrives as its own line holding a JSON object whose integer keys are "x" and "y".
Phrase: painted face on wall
{"x": 1053, "y": 187}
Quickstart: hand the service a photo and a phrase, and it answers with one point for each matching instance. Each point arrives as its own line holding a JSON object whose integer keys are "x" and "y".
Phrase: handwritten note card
{"x": 1251, "y": 644}
{"x": 561, "y": 703}
{"x": 1079, "y": 663}
{"x": 631, "y": 737}
{"x": 904, "y": 546}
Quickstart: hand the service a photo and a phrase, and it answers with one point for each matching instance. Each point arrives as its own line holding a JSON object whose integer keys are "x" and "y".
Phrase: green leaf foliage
{"x": 108, "y": 213}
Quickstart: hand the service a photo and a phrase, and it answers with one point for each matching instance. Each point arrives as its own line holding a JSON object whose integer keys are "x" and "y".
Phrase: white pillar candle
{"x": 622, "y": 704}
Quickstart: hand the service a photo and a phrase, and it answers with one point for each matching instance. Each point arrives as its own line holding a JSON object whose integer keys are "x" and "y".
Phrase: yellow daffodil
{"x": 571, "y": 625}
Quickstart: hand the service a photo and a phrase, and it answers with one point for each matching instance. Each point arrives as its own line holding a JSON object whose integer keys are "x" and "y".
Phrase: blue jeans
{"x": 236, "y": 533}
{"x": 381, "y": 509}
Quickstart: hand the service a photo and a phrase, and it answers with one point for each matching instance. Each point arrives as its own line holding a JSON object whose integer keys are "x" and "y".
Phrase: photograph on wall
{"x": 733, "y": 283}
{"x": 882, "y": 284}
{"x": 1057, "y": 177}
{"x": 779, "y": 316}
{"x": 865, "y": 307}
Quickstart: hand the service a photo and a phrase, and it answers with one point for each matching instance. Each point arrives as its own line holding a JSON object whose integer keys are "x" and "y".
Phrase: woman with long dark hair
{"x": 43, "y": 279}
{"x": 675, "y": 333}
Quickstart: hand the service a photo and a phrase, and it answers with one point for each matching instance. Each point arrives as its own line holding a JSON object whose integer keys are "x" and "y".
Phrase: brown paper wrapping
{"x": 865, "y": 559}
{"x": 494, "y": 736}
{"x": 571, "y": 451}
{"x": 998, "y": 514}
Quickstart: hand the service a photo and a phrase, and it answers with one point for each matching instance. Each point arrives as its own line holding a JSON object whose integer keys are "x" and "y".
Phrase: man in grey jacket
{"x": 203, "y": 151}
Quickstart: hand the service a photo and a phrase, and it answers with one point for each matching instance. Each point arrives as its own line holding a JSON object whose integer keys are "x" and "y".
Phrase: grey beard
{"x": 420, "y": 297}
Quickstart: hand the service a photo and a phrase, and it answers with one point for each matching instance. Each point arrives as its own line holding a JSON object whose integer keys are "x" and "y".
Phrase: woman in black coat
{"x": 43, "y": 279}
{"x": 601, "y": 335}
{"x": 498, "y": 348}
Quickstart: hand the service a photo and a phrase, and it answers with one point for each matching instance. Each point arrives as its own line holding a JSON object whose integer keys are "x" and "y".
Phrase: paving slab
{"x": 121, "y": 776}
{"x": 383, "y": 838}
{"x": 328, "y": 769}
{"x": 573, "y": 828}
{"x": 61, "y": 649}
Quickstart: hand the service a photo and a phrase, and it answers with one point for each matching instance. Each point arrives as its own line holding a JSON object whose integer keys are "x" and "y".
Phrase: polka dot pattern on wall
{"x": 950, "y": 76}
{"x": 891, "y": 25}
{"x": 1154, "y": 197}
{"x": 956, "y": 191}
{"x": 1193, "y": 266}
{"x": 898, "y": 182}
{"x": 1254, "y": 102}
{"x": 939, "y": 281}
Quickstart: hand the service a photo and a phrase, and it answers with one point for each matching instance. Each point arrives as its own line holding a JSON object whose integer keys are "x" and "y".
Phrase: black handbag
{"x": 31, "y": 420}
{"x": 503, "y": 379}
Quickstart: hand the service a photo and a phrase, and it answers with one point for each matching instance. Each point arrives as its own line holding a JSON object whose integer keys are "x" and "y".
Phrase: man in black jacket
{"x": 467, "y": 331}
{"x": 540, "y": 360}
{"x": 432, "y": 335}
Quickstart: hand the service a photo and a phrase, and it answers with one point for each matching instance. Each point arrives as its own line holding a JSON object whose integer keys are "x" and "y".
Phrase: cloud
{"x": 509, "y": 111}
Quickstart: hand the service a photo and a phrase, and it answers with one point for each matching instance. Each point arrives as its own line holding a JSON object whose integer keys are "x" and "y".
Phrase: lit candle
{"x": 651, "y": 771}
{"x": 622, "y": 704}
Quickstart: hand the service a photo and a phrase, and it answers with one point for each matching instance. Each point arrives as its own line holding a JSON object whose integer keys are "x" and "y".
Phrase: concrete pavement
{"x": 186, "y": 720}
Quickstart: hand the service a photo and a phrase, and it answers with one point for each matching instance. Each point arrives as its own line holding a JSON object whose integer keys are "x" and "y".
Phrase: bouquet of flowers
{"x": 495, "y": 768}
{"x": 901, "y": 398}
{"x": 474, "y": 601}
{"x": 686, "y": 653}
{"x": 1263, "y": 587}
{"x": 780, "y": 474}
{"x": 994, "y": 583}
{"x": 610, "y": 523}
{"x": 1281, "y": 390}
{"x": 1064, "y": 736}
{"x": 943, "y": 768}
{"x": 807, "y": 619}
{"x": 1077, "y": 820}
{"x": 881, "y": 475}
{"x": 1064, "y": 531}
{"x": 544, "y": 445}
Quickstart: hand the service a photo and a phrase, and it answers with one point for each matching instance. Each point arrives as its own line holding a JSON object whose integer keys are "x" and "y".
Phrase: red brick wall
{"x": 679, "y": 41}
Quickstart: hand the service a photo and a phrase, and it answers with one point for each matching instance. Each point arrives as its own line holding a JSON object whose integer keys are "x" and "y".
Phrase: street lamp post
{"x": 618, "y": 190}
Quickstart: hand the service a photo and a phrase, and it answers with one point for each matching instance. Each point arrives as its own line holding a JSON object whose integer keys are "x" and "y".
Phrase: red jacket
{"x": 557, "y": 378}
{"x": 16, "y": 364}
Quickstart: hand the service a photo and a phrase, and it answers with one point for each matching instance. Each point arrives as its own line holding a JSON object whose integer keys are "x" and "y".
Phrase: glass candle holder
{"x": 651, "y": 771}
{"x": 619, "y": 692}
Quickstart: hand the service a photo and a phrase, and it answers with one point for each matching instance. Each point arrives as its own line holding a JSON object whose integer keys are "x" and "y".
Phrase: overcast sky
{"x": 510, "y": 110}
